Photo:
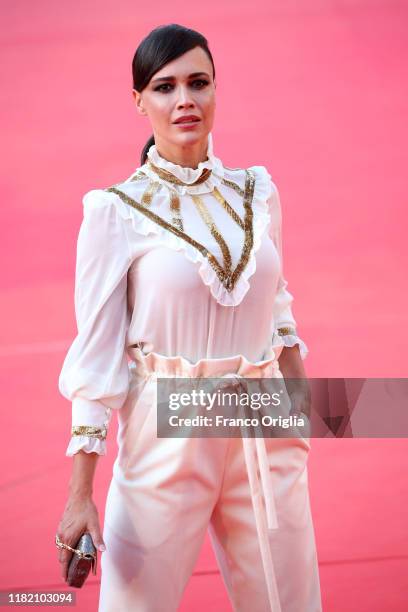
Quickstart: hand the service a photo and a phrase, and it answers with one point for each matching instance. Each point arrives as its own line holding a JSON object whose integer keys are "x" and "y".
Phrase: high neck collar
{"x": 183, "y": 173}
{"x": 186, "y": 175}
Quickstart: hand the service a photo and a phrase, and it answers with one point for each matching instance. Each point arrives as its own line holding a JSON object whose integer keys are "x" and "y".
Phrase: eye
{"x": 202, "y": 83}
{"x": 196, "y": 84}
{"x": 159, "y": 87}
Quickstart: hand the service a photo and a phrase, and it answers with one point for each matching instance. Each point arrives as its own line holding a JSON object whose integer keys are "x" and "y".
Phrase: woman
{"x": 179, "y": 269}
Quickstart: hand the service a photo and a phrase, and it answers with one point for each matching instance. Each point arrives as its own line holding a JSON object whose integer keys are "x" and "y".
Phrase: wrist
{"x": 80, "y": 491}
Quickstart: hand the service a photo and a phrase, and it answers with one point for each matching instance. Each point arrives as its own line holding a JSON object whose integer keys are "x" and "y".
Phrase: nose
{"x": 184, "y": 98}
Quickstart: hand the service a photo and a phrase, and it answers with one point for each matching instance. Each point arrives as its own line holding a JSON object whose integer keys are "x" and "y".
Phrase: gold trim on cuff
{"x": 89, "y": 430}
{"x": 286, "y": 331}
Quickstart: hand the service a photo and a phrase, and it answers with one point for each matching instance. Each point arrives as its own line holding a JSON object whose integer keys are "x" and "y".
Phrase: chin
{"x": 191, "y": 137}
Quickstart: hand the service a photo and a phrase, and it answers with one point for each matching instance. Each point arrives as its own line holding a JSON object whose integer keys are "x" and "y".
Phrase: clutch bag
{"x": 84, "y": 558}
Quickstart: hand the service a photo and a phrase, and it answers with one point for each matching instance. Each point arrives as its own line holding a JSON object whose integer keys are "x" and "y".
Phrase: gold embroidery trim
{"x": 228, "y": 280}
{"x": 168, "y": 176}
{"x": 209, "y": 221}
{"x": 228, "y": 207}
{"x": 285, "y": 331}
{"x": 148, "y": 213}
{"x": 89, "y": 430}
{"x": 137, "y": 176}
{"x": 149, "y": 192}
{"x": 177, "y": 220}
{"x": 233, "y": 186}
{"x": 248, "y": 222}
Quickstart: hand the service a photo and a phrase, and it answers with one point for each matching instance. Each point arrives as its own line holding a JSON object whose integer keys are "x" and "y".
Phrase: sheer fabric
{"x": 138, "y": 283}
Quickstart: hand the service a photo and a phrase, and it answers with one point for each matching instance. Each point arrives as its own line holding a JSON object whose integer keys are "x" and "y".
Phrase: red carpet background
{"x": 317, "y": 92}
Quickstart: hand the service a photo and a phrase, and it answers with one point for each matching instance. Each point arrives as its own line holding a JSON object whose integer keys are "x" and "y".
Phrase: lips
{"x": 188, "y": 119}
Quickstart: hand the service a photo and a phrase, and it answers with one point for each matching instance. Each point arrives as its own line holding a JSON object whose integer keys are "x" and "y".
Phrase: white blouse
{"x": 153, "y": 270}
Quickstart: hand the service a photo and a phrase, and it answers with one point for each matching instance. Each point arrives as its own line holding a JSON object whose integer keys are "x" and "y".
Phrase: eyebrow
{"x": 171, "y": 78}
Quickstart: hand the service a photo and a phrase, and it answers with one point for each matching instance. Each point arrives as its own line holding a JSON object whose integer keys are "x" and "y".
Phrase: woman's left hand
{"x": 300, "y": 399}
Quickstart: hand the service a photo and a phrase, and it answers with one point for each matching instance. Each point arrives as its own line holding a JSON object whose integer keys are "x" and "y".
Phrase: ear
{"x": 137, "y": 96}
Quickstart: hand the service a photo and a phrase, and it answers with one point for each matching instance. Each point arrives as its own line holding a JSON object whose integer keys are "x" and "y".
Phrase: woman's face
{"x": 182, "y": 87}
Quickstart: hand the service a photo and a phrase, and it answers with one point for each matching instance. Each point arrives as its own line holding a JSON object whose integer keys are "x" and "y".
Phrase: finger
{"x": 219, "y": 383}
{"x": 64, "y": 566}
{"x": 65, "y": 556}
{"x": 97, "y": 538}
{"x": 228, "y": 383}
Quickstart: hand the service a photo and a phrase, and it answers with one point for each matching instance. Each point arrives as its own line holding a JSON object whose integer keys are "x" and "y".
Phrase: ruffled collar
{"x": 143, "y": 225}
{"x": 187, "y": 175}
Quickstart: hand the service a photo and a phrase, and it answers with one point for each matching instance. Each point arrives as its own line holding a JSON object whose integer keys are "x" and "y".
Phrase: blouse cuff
{"x": 289, "y": 337}
{"x": 87, "y": 444}
{"x": 90, "y": 424}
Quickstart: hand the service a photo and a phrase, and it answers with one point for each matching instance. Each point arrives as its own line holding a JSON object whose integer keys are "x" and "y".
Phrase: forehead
{"x": 195, "y": 60}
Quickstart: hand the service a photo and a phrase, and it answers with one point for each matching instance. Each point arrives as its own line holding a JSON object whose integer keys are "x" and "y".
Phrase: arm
{"x": 291, "y": 366}
{"x": 83, "y": 472}
{"x": 95, "y": 375}
{"x": 284, "y": 329}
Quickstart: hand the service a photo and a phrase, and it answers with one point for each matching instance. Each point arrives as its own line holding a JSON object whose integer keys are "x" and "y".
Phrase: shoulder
{"x": 266, "y": 193}
{"x": 107, "y": 196}
{"x": 96, "y": 198}
{"x": 265, "y": 188}
{"x": 104, "y": 221}
{"x": 99, "y": 208}
{"x": 265, "y": 180}
{"x": 111, "y": 201}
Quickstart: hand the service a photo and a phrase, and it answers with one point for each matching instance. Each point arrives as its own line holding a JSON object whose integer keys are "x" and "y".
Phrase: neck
{"x": 187, "y": 156}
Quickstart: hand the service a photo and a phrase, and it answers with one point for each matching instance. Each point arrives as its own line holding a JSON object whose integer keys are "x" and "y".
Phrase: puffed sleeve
{"x": 95, "y": 373}
{"x": 284, "y": 323}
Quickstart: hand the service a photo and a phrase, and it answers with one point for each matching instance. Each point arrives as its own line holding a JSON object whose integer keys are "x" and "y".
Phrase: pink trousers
{"x": 251, "y": 493}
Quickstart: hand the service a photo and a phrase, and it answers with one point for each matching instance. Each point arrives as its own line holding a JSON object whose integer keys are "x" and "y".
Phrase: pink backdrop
{"x": 317, "y": 92}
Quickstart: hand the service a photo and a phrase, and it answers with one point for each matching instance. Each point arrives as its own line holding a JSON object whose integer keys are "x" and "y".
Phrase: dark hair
{"x": 164, "y": 44}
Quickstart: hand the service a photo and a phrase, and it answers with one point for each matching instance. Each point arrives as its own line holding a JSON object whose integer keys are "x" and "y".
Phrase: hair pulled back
{"x": 163, "y": 45}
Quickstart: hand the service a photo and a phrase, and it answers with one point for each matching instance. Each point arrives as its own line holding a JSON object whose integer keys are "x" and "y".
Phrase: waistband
{"x": 178, "y": 365}
{"x": 255, "y": 453}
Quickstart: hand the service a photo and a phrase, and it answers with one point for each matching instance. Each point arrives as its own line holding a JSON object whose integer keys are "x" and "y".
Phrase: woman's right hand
{"x": 80, "y": 515}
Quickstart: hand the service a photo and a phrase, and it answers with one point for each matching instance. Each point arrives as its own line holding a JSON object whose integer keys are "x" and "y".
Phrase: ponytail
{"x": 147, "y": 146}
